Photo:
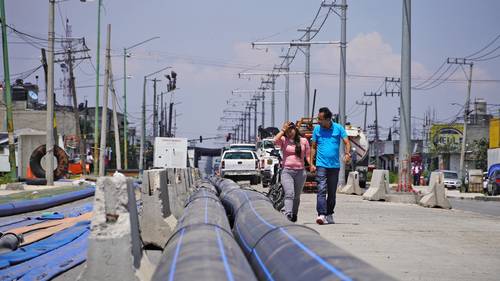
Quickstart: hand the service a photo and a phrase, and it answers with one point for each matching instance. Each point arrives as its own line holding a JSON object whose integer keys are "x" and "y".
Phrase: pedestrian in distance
{"x": 295, "y": 149}
{"x": 325, "y": 148}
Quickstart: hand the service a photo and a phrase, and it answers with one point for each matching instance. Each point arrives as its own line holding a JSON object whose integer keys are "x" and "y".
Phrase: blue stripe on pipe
{"x": 268, "y": 274}
{"x": 324, "y": 263}
{"x": 206, "y": 209}
{"x": 174, "y": 262}
{"x": 245, "y": 244}
{"x": 258, "y": 216}
{"x": 334, "y": 270}
{"x": 224, "y": 257}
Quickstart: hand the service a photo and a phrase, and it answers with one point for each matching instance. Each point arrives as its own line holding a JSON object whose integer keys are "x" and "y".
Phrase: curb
{"x": 477, "y": 198}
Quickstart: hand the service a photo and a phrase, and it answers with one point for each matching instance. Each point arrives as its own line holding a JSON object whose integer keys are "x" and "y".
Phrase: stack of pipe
{"x": 280, "y": 250}
{"x": 202, "y": 246}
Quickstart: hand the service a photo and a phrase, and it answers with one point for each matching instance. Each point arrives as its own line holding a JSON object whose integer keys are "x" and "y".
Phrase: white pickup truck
{"x": 240, "y": 165}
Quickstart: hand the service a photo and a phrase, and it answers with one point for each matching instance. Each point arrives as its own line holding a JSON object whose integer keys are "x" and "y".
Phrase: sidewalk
{"x": 410, "y": 242}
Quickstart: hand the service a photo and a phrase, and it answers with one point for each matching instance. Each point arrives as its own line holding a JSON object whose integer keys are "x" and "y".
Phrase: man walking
{"x": 325, "y": 146}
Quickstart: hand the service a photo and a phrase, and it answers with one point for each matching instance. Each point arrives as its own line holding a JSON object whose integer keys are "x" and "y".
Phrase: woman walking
{"x": 295, "y": 149}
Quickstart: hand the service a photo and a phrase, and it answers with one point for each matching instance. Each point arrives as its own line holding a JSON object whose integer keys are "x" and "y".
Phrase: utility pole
{"x": 155, "y": 109}
{"x": 307, "y": 75}
{"x": 161, "y": 114}
{"x": 125, "y": 122}
{"x": 249, "y": 122}
{"x": 143, "y": 129}
{"x": 461, "y": 62}
{"x": 76, "y": 111}
{"x": 365, "y": 104}
{"x": 104, "y": 117}
{"x": 170, "y": 116}
{"x": 49, "y": 169}
{"x": 45, "y": 71}
{"x": 273, "y": 102}
{"x": 255, "y": 118}
{"x": 8, "y": 93}
{"x": 377, "y": 137}
{"x": 287, "y": 87}
{"x": 115, "y": 121}
{"x": 405, "y": 181}
{"x": 97, "y": 83}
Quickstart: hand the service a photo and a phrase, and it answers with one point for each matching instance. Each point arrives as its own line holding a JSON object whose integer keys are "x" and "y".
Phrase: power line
{"x": 485, "y": 47}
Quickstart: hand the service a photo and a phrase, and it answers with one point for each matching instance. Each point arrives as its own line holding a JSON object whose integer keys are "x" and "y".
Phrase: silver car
{"x": 451, "y": 179}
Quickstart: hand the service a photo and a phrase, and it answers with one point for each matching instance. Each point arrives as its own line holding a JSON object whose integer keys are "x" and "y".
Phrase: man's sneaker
{"x": 329, "y": 219}
{"x": 294, "y": 218}
{"x": 321, "y": 219}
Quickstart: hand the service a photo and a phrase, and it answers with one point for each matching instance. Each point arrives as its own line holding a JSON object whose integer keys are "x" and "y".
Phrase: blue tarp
{"x": 44, "y": 246}
{"x": 67, "y": 212}
{"x": 51, "y": 264}
{"x": 26, "y": 206}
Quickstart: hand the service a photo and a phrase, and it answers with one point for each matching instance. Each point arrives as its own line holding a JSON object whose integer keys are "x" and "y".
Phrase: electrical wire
{"x": 485, "y": 47}
{"x": 439, "y": 83}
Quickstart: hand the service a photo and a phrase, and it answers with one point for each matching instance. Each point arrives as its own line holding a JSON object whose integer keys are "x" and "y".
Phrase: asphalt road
{"x": 490, "y": 208}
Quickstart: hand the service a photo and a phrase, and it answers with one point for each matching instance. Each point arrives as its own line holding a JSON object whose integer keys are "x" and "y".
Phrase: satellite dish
{"x": 33, "y": 95}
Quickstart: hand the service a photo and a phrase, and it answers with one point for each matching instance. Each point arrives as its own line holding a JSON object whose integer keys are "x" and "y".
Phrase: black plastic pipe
{"x": 202, "y": 246}
{"x": 280, "y": 250}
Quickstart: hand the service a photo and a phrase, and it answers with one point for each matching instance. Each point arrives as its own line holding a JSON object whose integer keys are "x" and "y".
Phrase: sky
{"x": 208, "y": 43}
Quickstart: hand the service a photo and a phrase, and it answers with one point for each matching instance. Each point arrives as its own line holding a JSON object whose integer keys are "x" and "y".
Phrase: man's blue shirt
{"x": 328, "y": 143}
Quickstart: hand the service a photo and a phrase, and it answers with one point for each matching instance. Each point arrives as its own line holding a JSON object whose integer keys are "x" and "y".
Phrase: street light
{"x": 125, "y": 125}
{"x": 143, "y": 130}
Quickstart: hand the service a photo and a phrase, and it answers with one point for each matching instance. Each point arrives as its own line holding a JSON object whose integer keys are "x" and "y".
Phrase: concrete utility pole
{"x": 460, "y": 62}
{"x": 405, "y": 180}
{"x": 377, "y": 137}
{"x": 342, "y": 75}
{"x": 116, "y": 128}
{"x": 287, "y": 87}
{"x": 125, "y": 122}
{"x": 104, "y": 117}
{"x": 307, "y": 76}
{"x": 255, "y": 99}
{"x": 8, "y": 93}
{"x": 143, "y": 129}
{"x": 49, "y": 163}
{"x": 76, "y": 112}
{"x": 97, "y": 84}
{"x": 365, "y": 104}
{"x": 155, "y": 110}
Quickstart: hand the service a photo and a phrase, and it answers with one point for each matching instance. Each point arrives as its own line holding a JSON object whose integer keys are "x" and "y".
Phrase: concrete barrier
{"x": 379, "y": 186}
{"x": 178, "y": 190}
{"x": 437, "y": 195}
{"x": 156, "y": 220}
{"x": 114, "y": 251}
{"x": 352, "y": 186}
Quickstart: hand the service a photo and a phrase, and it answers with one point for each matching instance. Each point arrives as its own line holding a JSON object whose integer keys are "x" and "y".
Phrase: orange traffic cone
{"x": 29, "y": 173}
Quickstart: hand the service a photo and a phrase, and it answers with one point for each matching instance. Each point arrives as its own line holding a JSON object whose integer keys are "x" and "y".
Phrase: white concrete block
{"x": 352, "y": 185}
{"x": 156, "y": 220}
{"x": 379, "y": 186}
{"x": 437, "y": 195}
{"x": 114, "y": 251}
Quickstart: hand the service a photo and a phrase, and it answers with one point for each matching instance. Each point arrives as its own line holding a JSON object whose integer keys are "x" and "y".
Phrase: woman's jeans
{"x": 293, "y": 182}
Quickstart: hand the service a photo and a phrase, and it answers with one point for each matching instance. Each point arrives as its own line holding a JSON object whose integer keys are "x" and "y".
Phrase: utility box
{"x": 170, "y": 153}
{"x": 475, "y": 181}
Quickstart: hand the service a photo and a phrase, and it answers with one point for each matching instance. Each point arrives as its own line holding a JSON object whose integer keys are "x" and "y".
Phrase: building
{"x": 445, "y": 141}
{"x": 28, "y": 113}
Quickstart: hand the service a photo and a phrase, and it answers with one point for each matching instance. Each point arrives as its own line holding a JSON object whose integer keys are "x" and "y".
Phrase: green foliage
{"x": 6, "y": 179}
{"x": 479, "y": 153}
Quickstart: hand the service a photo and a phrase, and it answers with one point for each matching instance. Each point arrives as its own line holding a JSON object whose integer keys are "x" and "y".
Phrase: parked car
{"x": 268, "y": 162}
{"x": 451, "y": 179}
{"x": 493, "y": 182}
{"x": 243, "y": 146}
{"x": 240, "y": 165}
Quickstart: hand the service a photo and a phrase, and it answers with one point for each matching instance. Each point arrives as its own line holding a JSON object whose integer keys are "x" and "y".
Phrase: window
{"x": 450, "y": 175}
{"x": 243, "y": 147}
{"x": 239, "y": 155}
